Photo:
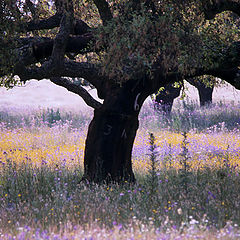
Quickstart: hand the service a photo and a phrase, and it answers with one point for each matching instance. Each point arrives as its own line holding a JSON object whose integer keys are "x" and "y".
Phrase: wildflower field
{"x": 188, "y": 183}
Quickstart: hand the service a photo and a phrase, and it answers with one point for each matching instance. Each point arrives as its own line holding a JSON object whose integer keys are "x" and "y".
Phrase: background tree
{"x": 126, "y": 50}
{"x": 164, "y": 98}
{"x": 204, "y": 84}
{"x": 205, "y": 89}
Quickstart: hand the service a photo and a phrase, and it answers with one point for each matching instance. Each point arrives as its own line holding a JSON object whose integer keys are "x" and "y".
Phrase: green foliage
{"x": 87, "y": 11}
{"x": 10, "y": 19}
{"x": 177, "y": 37}
{"x": 172, "y": 34}
{"x": 133, "y": 41}
{"x": 216, "y": 35}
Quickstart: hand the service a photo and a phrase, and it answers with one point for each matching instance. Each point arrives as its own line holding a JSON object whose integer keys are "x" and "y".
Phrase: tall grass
{"x": 187, "y": 187}
{"x": 185, "y": 116}
{"x": 20, "y": 118}
{"x": 50, "y": 199}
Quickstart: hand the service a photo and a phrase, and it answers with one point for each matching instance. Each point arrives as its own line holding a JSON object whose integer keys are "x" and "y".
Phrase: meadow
{"x": 187, "y": 172}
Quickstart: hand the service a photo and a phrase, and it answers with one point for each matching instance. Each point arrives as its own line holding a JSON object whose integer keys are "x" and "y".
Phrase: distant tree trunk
{"x": 205, "y": 95}
{"x": 111, "y": 136}
{"x": 164, "y": 99}
{"x": 205, "y": 92}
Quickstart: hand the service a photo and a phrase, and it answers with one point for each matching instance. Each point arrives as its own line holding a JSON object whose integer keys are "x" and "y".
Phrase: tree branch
{"x": 49, "y": 23}
{"x": 88, "y": 71}
{"x": 77, "y": 89}
{"x": 56, "y": 60}
{"x": 79, "y": 26}
{"x": 211, "y": 8}
{"x": 227, "y": 69}
{"x": 41, "y": 47}
{"x": 104, "y": 10}
{"x": 72, "y": 69}
{"x": 32, "y": 50}
{"x": 60, "y": 41}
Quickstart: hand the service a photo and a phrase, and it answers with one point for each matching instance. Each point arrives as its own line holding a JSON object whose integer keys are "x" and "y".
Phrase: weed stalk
{"x": 184, "y": 162}
{"x": 153, "y": 172}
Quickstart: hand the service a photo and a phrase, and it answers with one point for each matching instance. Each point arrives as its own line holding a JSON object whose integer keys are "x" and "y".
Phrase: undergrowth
{"x": 39, "y": 199}
{"x": 184, "y": 117}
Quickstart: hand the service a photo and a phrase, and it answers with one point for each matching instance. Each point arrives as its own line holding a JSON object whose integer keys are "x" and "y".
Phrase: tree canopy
{"x": 118, "y": 40}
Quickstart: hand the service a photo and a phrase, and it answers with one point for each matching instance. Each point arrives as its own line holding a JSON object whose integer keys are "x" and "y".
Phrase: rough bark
{"x": 109, "y": 147}
{"x": 111, "y": 136}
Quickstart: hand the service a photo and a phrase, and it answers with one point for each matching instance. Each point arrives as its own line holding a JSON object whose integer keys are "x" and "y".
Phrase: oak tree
{"x": 163, "y": 99}
{"x": 127, "y": 50}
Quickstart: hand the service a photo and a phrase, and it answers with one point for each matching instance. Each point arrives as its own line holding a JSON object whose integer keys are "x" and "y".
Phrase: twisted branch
{"x": 77, "y": 89}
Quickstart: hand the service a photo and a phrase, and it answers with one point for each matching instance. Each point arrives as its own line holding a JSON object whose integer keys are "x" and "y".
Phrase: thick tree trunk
{"x": 205, "y": 95}
{"x": 109, "y": 147}
{"x": 111, "y": 136}
{"x": 205, "y": 92}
